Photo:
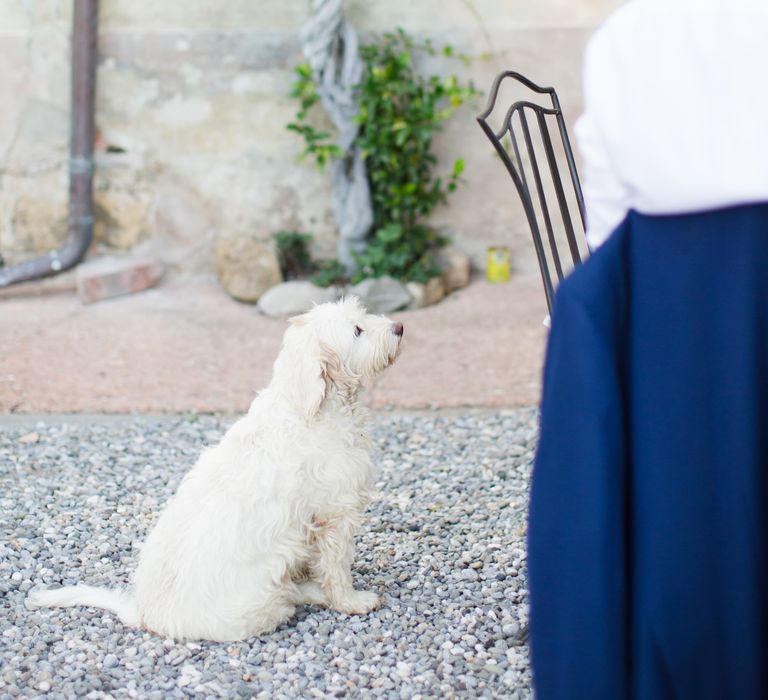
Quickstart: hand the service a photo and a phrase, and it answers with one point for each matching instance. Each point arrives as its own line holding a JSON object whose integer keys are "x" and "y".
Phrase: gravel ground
{"x": 444, "y": 541}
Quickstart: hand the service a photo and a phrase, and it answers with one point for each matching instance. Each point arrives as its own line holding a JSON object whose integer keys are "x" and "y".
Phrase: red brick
{"x": 104, "y": 278}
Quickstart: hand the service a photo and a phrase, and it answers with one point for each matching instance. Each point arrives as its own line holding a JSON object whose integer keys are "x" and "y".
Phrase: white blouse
{"x": 676, "y": 110}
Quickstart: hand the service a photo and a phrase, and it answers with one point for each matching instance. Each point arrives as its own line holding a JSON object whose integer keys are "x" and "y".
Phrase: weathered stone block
{"x": 103, "y": 278}
{"x": 39, "y": 224}
{"x": 181, "y": 228}
{"x": 121, "y": 218}
{"x": 247, "y": 267}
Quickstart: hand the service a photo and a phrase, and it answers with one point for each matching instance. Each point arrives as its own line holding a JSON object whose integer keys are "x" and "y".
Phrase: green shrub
{"x": 400, "y": 253}
{"x": 400, "y": 112}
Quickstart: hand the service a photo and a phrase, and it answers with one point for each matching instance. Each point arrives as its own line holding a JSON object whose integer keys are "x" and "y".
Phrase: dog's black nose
{"x": 397, "y": 328}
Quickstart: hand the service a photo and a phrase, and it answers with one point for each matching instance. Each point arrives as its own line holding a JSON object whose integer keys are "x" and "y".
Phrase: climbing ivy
{"x": 400, "y": 112}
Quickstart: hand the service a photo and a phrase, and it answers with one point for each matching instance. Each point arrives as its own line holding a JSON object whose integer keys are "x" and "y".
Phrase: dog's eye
{"x": 358, "y": 331}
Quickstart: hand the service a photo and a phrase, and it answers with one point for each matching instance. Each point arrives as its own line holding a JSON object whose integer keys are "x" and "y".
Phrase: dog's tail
{"x": 119, "y": 602}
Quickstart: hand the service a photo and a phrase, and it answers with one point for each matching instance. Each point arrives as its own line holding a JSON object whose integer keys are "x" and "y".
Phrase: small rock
{"x": 29, "y": 438}
{"x": 295, "y": 297}
{"x": 189, "y": 674}
{"x": 455, "y": 267}
{"x": 435, "y": 291}
{"x": 511, "y": 629}
{"x": 381, "y": 295}
{"x": 246, "y": 266}
{"x": 417, "y": 290}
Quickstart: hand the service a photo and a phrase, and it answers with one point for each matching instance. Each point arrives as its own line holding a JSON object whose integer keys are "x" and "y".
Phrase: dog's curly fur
{"x": 265, "y": 520}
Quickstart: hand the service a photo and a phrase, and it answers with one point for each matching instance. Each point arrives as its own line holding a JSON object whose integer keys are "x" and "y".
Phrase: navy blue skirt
{"x": 647, "y": 533}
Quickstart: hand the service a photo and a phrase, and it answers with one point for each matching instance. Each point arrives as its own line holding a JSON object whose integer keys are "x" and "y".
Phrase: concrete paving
{"x": 187, "y": 347}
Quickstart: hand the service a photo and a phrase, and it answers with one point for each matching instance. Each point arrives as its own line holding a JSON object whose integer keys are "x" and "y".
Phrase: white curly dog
{"x": 265, "y": 520}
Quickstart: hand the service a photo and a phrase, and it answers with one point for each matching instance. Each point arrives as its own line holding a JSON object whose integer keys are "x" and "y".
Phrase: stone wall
{"x": 193, "y": 98}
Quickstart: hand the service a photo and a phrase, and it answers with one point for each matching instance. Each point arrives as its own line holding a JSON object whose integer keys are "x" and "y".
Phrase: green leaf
{"x": 390, "y": 233}
{"x": 304, "y": 70}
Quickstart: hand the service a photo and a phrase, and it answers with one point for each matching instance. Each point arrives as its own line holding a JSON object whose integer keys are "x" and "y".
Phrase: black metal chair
{"x": 534, "y": 183}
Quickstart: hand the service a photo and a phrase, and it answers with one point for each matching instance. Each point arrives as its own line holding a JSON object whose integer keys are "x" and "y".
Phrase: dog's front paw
{"x": 358, "y": 602}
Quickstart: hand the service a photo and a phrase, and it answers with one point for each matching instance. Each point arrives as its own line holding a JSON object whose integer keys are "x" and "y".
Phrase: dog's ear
{"x": 306, "y": 368}
{"x": 298, "y": 372}
{"x": 313, "y": 385}
{"x": 334, "y": 370}
{"x": 326, "y": 370}
{"x": 317, "y": 367}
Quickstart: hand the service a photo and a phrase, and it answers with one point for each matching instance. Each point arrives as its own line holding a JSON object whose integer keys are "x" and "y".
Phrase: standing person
{"x": 648, "y": 554}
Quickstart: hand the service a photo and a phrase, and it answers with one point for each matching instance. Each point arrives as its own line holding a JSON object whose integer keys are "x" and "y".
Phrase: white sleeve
{"x": 606, "y": 196}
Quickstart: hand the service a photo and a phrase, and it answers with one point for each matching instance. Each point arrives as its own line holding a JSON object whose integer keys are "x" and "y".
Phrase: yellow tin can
{"x": 498, "y": 264}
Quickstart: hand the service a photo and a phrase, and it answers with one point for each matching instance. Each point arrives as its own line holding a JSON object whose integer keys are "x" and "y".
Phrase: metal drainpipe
{"x": 84, "y": 51}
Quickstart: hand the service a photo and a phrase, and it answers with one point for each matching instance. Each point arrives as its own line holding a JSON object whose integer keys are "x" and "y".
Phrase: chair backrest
{"x": 537, "y": 175}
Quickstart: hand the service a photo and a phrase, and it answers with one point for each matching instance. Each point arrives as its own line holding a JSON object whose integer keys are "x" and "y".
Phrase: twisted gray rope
{"x": 330, "y": 45}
